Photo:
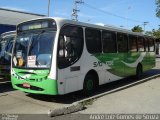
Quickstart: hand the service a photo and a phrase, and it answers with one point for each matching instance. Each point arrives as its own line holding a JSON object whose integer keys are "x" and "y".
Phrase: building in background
{"x": 10, "y": 18}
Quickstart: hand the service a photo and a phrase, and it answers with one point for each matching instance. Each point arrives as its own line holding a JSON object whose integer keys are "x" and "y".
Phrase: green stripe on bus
{"x": 117, "y": 61}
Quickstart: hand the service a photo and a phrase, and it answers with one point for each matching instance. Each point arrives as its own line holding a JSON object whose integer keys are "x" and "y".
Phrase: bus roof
{"x": 62, "y": 21}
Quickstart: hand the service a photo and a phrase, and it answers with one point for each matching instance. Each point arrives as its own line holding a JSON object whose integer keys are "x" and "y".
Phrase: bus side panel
{"x": 112, "y": 65}
{"x": 130, "y": 63}
{"x": 109, "y": 66}
{"x": 73, "y": 80}
{"x": 90, "y": 62}
{"x": 149, "y": 61}
{"x": 152, "y": 58}
{"x": 68, "y": 79}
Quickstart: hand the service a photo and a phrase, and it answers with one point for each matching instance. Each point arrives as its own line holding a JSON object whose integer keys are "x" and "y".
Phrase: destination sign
{"x": 36, "y": 24}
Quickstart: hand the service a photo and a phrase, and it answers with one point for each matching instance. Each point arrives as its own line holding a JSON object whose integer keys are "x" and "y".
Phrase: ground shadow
{"x": 6, "y": 87}
{"x": 76, "y": 96}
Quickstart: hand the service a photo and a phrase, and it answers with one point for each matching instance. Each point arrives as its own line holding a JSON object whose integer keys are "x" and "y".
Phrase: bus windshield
{"x": 33, "y": 49}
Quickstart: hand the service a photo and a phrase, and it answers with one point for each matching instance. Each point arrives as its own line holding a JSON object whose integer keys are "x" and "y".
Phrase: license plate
{"x": 26, "y": 85}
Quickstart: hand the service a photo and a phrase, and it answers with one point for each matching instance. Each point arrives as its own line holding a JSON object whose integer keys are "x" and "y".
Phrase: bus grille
{"x": 31, "y": 88}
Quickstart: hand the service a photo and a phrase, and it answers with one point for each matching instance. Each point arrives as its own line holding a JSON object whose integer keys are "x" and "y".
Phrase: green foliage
{"x": 149, "y": 33}
{"x": 137, "y": 29}
{"x": 154, "y": 33}
{"x": 158, "y": 8}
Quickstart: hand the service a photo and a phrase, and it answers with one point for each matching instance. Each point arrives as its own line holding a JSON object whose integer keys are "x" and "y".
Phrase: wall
{"x": 6, "y": 28}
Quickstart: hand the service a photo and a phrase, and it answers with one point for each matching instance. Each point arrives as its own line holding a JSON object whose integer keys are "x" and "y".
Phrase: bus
{"x": 56, "y": 56}
{"x": 157, "y": 47}
{"x": 6, "y": 44}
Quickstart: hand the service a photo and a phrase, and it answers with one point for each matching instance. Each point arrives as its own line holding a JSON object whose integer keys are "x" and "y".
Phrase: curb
{"x": 3, "y": 94}
{"x": 74, "y": 107}
{"x": 80, "y": 105}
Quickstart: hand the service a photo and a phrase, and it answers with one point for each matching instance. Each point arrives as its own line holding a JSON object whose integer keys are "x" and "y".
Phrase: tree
{"x": 137, "y": 29}
{"x": 149, "y": 33}
{"x": 154, "y": 33}
{"x": 158, "y": 8}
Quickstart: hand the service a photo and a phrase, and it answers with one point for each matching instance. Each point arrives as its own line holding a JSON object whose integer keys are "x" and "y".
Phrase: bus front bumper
{"x": 47, "y": 86}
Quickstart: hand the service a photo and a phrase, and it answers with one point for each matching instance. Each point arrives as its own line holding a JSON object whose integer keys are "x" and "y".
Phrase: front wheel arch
{"x": 91, "y": 81}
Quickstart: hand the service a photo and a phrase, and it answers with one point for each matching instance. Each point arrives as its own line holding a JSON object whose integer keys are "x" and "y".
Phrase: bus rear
{"x": 32, "y": 57}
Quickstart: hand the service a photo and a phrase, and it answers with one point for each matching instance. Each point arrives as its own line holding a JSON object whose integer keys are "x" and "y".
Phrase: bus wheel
{"x": 139, "y": 71}
{"x": 89, "y": 85}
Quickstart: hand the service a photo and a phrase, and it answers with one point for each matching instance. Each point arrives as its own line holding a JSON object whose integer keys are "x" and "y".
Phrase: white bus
{"x": 6, "y": 44}
{"x": 56, "y": 56}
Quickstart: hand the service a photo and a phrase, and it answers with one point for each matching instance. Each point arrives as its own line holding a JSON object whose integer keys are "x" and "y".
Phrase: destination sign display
{"x": 36, "y": 24}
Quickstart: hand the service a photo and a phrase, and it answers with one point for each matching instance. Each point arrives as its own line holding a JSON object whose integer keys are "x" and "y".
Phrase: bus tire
{"x": 139, "y": 71}
{"x": 89, "y": 85}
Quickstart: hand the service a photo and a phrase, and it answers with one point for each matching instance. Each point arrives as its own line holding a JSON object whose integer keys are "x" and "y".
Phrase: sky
{"x": 119, "y": 13}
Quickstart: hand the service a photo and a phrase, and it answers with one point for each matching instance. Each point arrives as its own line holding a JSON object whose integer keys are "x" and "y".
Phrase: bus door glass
{"x": 69, "y": 51}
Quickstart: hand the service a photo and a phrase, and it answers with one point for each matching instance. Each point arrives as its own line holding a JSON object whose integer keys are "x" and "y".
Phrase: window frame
{"x": 129, "y": 49}
{"x": 124, "y": 35}
{"x": 82, "y": 47}
{"x": 153, "y": 41}
{"x": 100, "y": 44}
{"x": 115, "y": 40}
{"x": 142, "y": 37}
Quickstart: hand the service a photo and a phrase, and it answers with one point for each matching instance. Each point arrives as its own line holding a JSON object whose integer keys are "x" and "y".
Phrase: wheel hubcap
{"x": 90, "y": 85}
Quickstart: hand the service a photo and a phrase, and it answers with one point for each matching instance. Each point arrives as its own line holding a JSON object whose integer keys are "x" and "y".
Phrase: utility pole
{"x": 127, "y": 16}
{"x": 49, "y": 7}
{"x": 75, "y": 10}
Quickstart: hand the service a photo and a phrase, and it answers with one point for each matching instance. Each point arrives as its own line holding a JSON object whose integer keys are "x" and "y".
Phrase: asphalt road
{"x": 140, "y": 98}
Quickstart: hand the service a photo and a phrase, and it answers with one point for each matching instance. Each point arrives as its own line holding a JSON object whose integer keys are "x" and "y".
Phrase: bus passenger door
{"x": 69, "y": 51}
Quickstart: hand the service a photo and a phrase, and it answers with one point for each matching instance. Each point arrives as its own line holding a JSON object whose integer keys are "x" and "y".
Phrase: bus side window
{"x": 146, "y": 44}
{"x": 93, "y": 40}
{"x": 70, "y": 45}
{"x": 133, "y": 43}
{"x": 151, "y": 44}
{"x": 141, "y": 44}
{"x": 109, "y": 42}
{"x": 122, "y": 42}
